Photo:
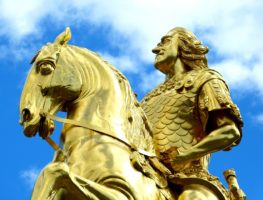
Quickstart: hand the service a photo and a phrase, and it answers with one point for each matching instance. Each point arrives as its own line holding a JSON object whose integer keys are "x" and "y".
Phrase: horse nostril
{"x": 26, "y": 115}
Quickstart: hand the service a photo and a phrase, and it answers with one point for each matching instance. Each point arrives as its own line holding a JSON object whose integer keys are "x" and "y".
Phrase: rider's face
{"x": 166, "y": 52}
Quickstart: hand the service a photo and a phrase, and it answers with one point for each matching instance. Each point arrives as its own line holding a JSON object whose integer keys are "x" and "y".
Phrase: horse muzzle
{"x": 30, "y": 122}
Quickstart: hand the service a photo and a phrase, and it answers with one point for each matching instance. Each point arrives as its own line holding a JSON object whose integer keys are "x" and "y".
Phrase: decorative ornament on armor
{"x": 192, "y": 115}
{"x": 112, "y": 149}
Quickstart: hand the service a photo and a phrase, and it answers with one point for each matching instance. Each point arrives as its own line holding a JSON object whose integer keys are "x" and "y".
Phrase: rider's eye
{"x": 166, "y": 41}
{"x": 45, "y": 68}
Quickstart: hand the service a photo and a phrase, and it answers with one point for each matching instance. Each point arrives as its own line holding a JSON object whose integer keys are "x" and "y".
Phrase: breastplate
{"x": 173, "y": 113}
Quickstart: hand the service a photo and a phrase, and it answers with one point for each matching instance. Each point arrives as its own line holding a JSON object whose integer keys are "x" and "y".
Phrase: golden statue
{"x": 115, "y": 150}
{"x": 192, "y": 116}
{"x": 106, "y": 138}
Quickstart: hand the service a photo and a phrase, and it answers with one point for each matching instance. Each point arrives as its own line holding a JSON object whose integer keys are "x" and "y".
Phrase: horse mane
{"x": 138, "y": 131}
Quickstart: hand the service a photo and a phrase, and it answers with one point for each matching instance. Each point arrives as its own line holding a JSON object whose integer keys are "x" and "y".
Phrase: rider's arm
{"x": 224, "y": 134}
{"x": 221, "y": 122}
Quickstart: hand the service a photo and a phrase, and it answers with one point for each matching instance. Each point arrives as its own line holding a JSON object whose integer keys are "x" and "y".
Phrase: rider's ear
{"x": 63, "y": 37}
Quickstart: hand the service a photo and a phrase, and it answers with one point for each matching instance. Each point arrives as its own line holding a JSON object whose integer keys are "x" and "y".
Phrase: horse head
{"x": 105, "y": 124}
{"x": 48, "y": 86}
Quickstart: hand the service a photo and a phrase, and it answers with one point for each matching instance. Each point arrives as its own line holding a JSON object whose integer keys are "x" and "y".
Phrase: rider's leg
{"x": 197, "y": 192}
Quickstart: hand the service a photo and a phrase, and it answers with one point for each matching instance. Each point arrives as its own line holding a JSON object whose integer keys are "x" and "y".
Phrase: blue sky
{"x": 124, "y": 32}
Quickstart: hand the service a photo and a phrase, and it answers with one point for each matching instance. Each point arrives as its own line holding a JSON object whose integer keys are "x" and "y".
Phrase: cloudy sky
{"x": 124, "y": 32}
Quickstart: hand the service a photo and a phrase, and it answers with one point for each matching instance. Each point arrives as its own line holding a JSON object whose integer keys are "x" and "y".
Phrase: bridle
{"x": 100, "y": 130}
{"x": 46, "y": 116}
{"x": 141, "y": 159}
{"x": 138, "y": 156}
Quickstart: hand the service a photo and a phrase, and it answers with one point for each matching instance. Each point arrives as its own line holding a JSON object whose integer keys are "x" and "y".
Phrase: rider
{"x": 191, "y": 113}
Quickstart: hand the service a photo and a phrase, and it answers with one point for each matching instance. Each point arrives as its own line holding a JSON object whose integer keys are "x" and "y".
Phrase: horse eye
{"x": 46, "y": 69}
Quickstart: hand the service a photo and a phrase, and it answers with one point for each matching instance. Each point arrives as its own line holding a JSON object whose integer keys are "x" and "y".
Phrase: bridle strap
{"x": 93, "y": 127}
{"x": 52, "y": 143}
{"x": 100, "y": 130}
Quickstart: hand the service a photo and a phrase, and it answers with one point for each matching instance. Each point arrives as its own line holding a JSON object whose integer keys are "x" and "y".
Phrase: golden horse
{"x": 106, "y": 139}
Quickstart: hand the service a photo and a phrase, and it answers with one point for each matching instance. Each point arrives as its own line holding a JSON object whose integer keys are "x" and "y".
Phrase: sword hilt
{"x": 235, "y": 192}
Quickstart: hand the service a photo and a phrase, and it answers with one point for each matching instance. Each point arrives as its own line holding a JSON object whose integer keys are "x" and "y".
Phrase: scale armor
{"x": 178, "y": 111}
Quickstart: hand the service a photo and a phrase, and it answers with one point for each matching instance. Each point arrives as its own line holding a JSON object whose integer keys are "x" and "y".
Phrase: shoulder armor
{"x": 214, "y": 95}
{"x": 193, "y": 80}
{"x": 205, "y": 75}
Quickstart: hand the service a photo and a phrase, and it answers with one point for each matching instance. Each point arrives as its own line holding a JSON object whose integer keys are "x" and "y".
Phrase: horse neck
{"x": 102, "y": 102}
{"x": 107, "y": 101}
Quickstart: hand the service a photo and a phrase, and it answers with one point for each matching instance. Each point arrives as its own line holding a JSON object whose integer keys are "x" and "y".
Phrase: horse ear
{"x": 63, "y": 37}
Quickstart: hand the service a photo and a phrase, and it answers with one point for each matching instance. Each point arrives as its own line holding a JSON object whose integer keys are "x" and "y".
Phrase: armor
{"x": 178, "y": 111}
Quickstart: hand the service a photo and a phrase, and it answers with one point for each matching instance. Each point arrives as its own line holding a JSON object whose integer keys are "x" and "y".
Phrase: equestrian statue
{"x": 116, "y": 148}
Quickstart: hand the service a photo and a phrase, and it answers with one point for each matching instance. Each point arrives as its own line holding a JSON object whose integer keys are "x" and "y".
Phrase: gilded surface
{"x": 106, "y": 138}
{"x": 117, "y": 150}
{"x": 191, "y": 114}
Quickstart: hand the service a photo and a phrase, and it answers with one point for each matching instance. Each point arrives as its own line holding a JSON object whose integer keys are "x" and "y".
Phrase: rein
{"x": 100, "y": 130}
{"x": 138, "y": 156}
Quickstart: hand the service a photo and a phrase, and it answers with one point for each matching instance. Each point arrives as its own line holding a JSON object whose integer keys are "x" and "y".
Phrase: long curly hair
{"x": 191, "y": 50}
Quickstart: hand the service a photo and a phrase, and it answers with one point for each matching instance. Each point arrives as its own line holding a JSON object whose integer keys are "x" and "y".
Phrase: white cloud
{"x": 242, "y": 76}
{"x": 21, "y": 17}
{"x": 231, "y": 28}
{"x": 124, "y": 63}
{"x": 30, "y": 176}
{"x": 151, "y": 80}
{"x": 235, "y": 73}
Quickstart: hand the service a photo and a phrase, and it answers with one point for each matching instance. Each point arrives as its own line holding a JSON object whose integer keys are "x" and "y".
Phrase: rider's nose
{"x": 156, "y": 50}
